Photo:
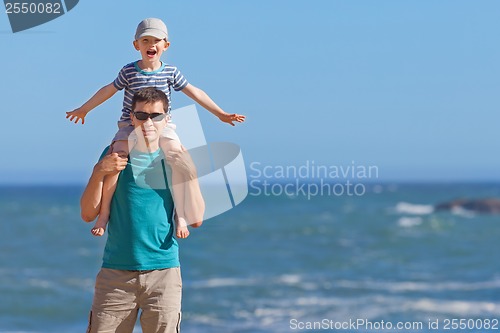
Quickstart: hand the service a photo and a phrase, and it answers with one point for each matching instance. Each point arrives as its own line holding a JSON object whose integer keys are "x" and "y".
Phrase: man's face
{"x": 150, "y": 129}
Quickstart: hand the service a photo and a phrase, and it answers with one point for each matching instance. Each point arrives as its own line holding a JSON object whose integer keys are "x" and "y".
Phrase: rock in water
{"x": 484, "y": 206}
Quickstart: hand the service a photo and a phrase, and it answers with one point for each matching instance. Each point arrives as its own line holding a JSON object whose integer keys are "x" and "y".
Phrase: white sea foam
{"x": 80, "y": 283}
{"x": 326, "y": 216}
{"x": 378, "y": 189}
{"x": 314, "y": 284}
{"x": 462, "y": 212}
{"x": 462, "y": 308}
{"x": 405, "y": 286}
{"x": 374, "y": 306}
{"x": 285, "y": 279}
{"x": 224, "y": 282}
{"x": 290, "y": 279}
{"x": 39, "y": 283}
{"x": 408, "y": 222}
{"x": 273, "y": 313}
{"x": 414, "y": 209}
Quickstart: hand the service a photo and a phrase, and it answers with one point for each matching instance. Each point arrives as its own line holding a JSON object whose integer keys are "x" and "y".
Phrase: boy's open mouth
{"x": 152, "y": 53}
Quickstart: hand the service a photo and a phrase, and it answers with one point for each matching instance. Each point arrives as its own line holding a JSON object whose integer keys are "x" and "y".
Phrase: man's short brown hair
{"x": 150, "y": 95}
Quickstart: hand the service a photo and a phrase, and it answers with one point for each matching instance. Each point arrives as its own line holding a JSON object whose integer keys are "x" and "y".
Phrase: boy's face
{"x": 151, "y": 48}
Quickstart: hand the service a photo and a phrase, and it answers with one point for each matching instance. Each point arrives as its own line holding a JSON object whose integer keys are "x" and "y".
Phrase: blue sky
{"x": 409, "y": 86}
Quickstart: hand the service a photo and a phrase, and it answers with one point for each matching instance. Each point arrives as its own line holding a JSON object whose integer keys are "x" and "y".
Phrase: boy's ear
{"x": 167, "y": 44}
{"x": 136, "y": 45}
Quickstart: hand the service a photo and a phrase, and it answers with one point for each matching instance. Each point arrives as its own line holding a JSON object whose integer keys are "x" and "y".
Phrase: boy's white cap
{"x": 151, "y": 27}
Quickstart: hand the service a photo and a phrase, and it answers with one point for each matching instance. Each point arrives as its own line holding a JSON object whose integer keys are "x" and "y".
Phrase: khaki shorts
{"x": 120, "y": 294}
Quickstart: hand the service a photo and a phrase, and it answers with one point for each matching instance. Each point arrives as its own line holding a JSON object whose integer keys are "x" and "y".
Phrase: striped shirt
{"x": 132, "y": 79}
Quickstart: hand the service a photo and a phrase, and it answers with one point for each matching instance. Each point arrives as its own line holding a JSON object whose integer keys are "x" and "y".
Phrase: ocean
{"x": 380, "y": 261}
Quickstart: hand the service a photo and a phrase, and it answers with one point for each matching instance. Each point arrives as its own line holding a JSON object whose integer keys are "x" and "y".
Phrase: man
{"x": 141, "y": 268}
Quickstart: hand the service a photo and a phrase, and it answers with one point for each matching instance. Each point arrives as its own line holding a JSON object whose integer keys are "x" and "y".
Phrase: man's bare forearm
{"x": 194, "y": 205}
{"x": 90, "y": 202}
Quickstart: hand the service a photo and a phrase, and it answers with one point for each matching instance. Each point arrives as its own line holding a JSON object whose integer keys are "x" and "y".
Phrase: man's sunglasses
{"x": 141, "y": 115}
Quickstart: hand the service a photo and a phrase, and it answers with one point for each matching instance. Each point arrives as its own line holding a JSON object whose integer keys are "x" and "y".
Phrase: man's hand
{"x": 76, "y": 115}
{"x": 112, "y": 163}
{"x": 90, "y": 203}
{"x": 229, "y": 118}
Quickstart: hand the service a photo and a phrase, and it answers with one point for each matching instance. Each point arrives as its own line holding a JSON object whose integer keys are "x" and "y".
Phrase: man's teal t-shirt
{"x": 140, "y": 228}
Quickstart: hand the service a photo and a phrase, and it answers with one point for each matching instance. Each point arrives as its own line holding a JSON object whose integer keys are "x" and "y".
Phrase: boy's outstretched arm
{"x": 201, "y": 97}
{"x": 99, "y": 97}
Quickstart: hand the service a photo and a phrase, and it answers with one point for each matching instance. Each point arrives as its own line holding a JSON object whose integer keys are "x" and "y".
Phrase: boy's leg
{"x": 108, "y": 190}
{"x": 178, "y": 183}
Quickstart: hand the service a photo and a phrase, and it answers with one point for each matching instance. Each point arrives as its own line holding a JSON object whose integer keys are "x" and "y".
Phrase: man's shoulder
{"x": 104, "y": 152}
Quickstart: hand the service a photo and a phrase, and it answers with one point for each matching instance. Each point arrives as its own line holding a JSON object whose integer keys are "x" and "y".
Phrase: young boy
{"x": 151, "y": 40}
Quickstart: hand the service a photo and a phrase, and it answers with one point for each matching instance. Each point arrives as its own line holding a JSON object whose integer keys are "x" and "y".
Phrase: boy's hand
{"x": 229, "y": 118}
{"x": 76, "y": 115}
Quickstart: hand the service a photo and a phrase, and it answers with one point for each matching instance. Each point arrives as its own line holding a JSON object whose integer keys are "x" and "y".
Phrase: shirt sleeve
{"x": 104, "y": 152}
{"x": 180, "y": 81}
{"x": 121, "y": 80}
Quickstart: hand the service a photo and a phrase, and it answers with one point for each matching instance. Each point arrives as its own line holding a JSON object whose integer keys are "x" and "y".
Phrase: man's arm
{"x": 194, "y": 205}
{"x": 201, "y": 97}
{"x": 90, "y": 202}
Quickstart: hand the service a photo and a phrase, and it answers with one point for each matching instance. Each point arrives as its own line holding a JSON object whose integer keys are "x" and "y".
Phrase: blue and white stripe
{"x": 132, "y": 79}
